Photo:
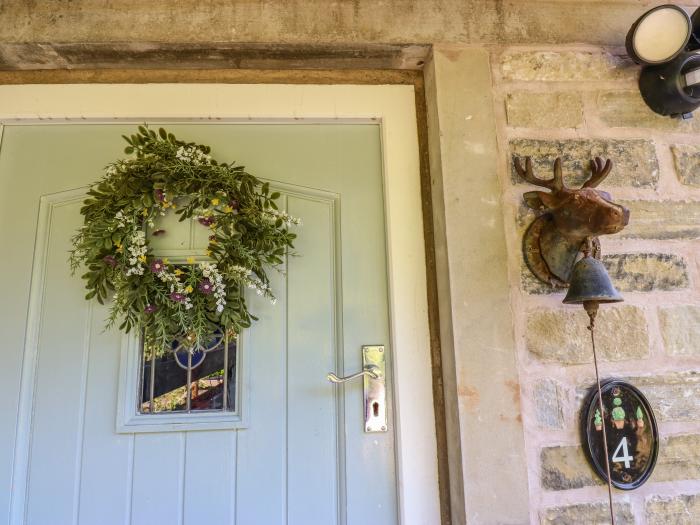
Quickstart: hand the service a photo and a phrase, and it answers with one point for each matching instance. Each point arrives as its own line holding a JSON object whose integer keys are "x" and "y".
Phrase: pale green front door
{"x": 302, "y": 456}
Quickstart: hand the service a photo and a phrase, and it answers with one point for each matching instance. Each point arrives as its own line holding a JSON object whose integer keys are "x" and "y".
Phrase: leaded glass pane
{"x": 180, "y": 379}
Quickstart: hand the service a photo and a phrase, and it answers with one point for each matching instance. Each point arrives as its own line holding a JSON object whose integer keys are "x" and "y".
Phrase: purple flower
{"x": 150, "y": 308}
{"x": 110, "y": 260}
{"x": 233, "y": 204}
{"x": 160, "y": 195}
{"x": 206, "y": 221}
{"x": 205, "y": 286}
{"x": 177, "y": 297}
{"x": 157, "y": 266}
{"x": 158, "y": 232}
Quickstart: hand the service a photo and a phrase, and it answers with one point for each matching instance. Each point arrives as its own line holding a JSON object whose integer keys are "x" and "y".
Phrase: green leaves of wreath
{"x": 191, "y": 299}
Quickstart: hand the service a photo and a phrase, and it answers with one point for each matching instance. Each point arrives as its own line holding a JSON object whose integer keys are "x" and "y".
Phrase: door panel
{"x": 303, "y": 457}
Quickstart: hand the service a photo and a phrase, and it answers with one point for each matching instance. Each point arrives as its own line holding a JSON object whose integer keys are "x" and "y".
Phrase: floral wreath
{"x": 191, "y": 302}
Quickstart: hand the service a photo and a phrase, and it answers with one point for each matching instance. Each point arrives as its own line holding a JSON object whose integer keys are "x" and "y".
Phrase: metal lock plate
{"x": 374, "y": 358}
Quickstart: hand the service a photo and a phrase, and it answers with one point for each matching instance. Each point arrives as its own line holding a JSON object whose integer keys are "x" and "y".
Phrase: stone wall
{"x": 576, "y": 103}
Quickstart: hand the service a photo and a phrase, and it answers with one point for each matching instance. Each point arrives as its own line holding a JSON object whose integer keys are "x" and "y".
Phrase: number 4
{"x": 626, "y": 458}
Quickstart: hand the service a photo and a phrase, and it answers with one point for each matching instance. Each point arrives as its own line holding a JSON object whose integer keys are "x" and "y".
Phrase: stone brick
{"x": 673, "y": 396}
{"x": 635, "y": 162}
{"x": 587, "y": 514}
{"x": 627, "y": 109}
{"x": 561, "y": 336}
{"x": 544, "y": 110}
{"x": 680, "y": 327}
{"x": 566, "y": 66}
{"x": 683, "y": 509}
{"x": 548, "y": 409}
{"x": 662, "y": 220}
{"x": 644, "y": 272}
{"x": 630, "y": 272}
{"x": 687, "y": 161}
{"x": 678, "y": 458}
{"x": 565, "y": 468}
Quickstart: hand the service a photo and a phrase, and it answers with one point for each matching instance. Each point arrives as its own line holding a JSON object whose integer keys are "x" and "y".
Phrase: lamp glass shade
{"x": 659, "y": 35}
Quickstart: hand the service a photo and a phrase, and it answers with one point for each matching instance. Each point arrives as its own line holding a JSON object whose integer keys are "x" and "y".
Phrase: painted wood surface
{"x": 303, "y": 458}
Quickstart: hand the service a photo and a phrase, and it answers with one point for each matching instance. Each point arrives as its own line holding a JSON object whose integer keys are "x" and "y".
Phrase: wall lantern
{"x": 561, "y": 248}
{"x": 666, "y": 42}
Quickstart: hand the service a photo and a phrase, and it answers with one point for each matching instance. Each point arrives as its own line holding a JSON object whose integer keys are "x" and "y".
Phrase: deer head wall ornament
{"x": 568, "y": 219}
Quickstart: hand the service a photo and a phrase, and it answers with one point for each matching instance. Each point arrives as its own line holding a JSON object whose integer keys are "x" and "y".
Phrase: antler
{"x": 555, "y": 184}
{"x": 598, "y": 172}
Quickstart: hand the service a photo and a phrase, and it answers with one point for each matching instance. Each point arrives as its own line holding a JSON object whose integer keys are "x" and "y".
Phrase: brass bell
{"x": 590, "y": 283}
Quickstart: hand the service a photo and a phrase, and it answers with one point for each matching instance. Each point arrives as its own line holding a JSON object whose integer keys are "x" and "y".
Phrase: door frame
{"x": 393, "y": 107}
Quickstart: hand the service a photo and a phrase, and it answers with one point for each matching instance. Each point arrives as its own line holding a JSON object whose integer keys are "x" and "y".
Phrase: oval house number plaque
{"x": 633, "y": 438}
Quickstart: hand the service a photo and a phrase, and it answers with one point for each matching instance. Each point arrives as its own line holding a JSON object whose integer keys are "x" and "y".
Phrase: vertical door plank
{"x": 209, "y": 477}
{"x": 157, "y": 487}
{"x": 370, "y": 460}
{"x": 262, "y": 452}
{"x": 311, "y": 402}
{"x": 103, "y": 497}
{"x": 59, "y": 394}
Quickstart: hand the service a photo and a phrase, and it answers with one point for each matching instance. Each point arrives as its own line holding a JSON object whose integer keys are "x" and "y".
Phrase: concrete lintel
{"x": 485, "y": 431}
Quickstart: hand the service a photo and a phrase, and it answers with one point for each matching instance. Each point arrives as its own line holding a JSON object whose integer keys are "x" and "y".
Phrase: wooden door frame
{"x": 409, "y": 486}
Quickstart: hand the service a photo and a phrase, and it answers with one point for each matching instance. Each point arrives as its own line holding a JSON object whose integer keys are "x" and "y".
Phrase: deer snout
{"x": 618, "y": 217}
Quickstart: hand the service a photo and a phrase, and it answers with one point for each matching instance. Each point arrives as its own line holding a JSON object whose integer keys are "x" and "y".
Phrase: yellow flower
{"x": 212, "y": 226}
{"x": 188, "y": 289}
{"x": 208, "y": 252}
{"x": 215, "y": 202}
{"x": 190, "y": 260}
{"x": 165, "y": 204}
{"x": 178, "y": 271}
{"x": 228, "y": 209}
{"x": 144, "y": 212}
{"x": 166, "y": 260}
{"x": 120, "y": 248}
{"x": 172, "y": 205}
{"x": 213, "y": 242}
{"x": 142, "y": 258}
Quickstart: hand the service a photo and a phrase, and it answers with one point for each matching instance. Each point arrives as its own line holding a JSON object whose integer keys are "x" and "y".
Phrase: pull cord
{"x": 592, "y": 309}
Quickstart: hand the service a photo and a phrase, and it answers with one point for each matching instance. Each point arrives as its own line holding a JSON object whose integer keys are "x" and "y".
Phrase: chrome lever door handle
{"x": 373, "y": 376}
{"x": 372, "y": 371}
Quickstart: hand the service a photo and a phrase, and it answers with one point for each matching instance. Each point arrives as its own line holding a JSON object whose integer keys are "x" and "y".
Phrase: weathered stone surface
{"x": 679, "y": 458}
{"x": 566, "y": 467}
{"x": 630, "y": 272}
{"x": 662, "y": 220}
{"x": 464, "y": 21}
{"x": 644, "y": 272}
{"x": 587, "y": 514}
{"x": 565, "y": 66}
{"x": 635, "y": 162}
{"x": 687, "y": 162}
{"x": 544, "y": 110}
{"x": 561, "y": 336}
{"x": 627, "y": 109}
{"x": 683, "y": 509}
{"x": 680, "y": 327}
{"x": 547, "y": 396}
{"x": 673, "y": 396}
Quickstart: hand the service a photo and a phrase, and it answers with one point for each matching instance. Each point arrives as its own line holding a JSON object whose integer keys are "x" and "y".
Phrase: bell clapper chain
{"x": 592, "y": 310}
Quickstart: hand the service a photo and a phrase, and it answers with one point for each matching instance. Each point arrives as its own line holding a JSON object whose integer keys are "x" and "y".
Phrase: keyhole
{"x": 375, "y": 409}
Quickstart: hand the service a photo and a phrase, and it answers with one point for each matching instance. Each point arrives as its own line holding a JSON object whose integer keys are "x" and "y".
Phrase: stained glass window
{"x": 184, "y": 379}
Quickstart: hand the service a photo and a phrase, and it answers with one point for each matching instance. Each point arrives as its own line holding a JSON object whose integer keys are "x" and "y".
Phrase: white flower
{"x": 273, "y": 215}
